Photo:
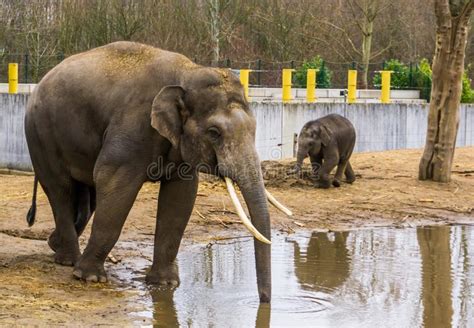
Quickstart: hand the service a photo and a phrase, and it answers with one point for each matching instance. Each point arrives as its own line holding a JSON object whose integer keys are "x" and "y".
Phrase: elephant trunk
{"x": 300, "y": 156}
{"x": 248, "y": 176}
{"x": 253, "y": 191}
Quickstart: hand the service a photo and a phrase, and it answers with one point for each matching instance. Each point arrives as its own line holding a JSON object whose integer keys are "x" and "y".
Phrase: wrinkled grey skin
{"x": 329, "y": 142}
{"x": 98, "y": 121}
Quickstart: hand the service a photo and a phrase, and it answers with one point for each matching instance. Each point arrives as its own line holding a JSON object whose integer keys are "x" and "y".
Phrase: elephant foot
{"x": 351, "y": 180}
{"x": 53, "y": 241}
{"x": 322, "y": 184}
{"x": 89, "y": 271}
{"x": 64, "y": 255}
{"x": 164, "y": 276}
{"x": 336, "y": 183}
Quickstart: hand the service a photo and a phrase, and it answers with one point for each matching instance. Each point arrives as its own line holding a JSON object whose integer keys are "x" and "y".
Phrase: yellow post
{"x": 286, "y": 84}
{"x": 352, "y": 86}
{"x": 311, "y": 85}
{"x": 13, "y": 78}
{"x": 244, "y": 79}
{"x": 385, "y": 94}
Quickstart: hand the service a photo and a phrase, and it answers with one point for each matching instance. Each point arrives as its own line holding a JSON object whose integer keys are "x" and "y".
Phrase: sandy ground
{"x": 34, "y": 290}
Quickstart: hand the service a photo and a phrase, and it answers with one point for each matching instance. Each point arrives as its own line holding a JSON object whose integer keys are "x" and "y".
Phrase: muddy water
{"x": 369, "y": 278}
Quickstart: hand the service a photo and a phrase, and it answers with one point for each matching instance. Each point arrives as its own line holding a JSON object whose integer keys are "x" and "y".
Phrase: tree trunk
{"x": 452, "y": 19}
{"x": 215, "y": 31}
{"x": 367, "y": 34}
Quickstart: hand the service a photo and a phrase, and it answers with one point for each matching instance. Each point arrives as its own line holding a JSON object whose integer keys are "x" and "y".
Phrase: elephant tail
{"x": 30, "y": 217}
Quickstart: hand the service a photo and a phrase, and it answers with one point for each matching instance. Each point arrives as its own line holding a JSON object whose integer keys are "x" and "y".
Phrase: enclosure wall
{"x": 13, "y": 149}
{"x": 379, "y": 127}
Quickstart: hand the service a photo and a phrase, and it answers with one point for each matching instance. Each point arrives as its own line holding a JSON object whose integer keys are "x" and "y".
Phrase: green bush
{"x": 323, "y": 77}
{"x": 421, "y": 78}
{"x": 467, "y": 95}
{"x": 400, "y": 77}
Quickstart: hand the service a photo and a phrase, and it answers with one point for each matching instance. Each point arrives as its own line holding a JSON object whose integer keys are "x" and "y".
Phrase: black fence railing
{"x": 32, "y": 67}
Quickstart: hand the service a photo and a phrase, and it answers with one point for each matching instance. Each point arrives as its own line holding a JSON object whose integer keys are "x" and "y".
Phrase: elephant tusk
{"x": 240, "y": 211}
{"x": 277, "y": 204}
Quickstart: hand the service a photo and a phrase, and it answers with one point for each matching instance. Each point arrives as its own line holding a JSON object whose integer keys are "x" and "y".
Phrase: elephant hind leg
{"x": 341, "y": 168}
{"x": 72, "y": 208}
{"x": 61, "y": 190}
{"x": 85, "y": 206}
{"x": 349, "y": 173}
{"x": 63, "y": 240}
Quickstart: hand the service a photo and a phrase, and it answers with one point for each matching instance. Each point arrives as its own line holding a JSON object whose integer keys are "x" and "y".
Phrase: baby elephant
{"x": 328, "y": 141}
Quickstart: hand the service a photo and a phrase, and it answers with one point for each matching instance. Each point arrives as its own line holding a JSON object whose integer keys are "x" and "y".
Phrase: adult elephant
{"x": 103, "y": 122}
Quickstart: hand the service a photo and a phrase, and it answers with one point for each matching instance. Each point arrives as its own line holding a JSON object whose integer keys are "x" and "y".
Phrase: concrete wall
{"x": 22, "y": 87}
{"x": 13, "y": 149}
{"x": 379, "y": 127}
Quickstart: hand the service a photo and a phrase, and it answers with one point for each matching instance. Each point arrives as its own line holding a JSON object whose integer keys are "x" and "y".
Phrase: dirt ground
{"x": 35, "y": 291}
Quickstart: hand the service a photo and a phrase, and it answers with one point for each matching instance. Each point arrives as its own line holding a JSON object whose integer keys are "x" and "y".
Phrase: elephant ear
{"x": 325, "y": 134}
{"x": 165, "y": 113}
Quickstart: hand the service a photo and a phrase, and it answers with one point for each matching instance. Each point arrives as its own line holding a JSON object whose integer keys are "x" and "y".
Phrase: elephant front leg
{"x": 316, "y": 165}
{"x": 323, "y": 179}
{"x": 175, "y": 205}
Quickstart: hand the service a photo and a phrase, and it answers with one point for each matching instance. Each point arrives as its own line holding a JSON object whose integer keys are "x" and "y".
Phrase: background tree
{"x": 350, "y": 32}
{"x": 453, "y": 22}
{"x": 369, "y": 10}
{"x": 278, "y": 32}
{"x": 214, "y": 27}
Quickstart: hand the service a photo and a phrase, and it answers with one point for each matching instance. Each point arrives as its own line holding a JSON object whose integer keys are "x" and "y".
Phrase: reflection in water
{"x": 387, "y": 277}
{"x": 330, "y": 257}
{"x": 164, "y": 311}
{"x": 436, "y": 272}
{"x": 263, "y": 316}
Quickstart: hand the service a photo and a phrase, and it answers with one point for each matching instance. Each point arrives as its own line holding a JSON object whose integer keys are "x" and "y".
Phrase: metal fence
{"x": 265, "y": 73}
{"x": 31, "y": 67}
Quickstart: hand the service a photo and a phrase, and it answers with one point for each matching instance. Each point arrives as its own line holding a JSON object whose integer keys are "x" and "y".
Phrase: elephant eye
{"x": 214, "y": 132}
